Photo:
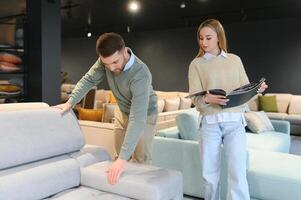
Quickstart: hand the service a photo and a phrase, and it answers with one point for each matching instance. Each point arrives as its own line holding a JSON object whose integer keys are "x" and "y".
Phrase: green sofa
{"x": 172, "y": 151}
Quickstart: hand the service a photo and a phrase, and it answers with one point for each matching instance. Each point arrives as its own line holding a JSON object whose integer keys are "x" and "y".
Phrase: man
{"x": 131, "y": 83}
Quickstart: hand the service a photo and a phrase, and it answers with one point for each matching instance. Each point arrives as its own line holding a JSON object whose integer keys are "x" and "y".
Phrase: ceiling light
{"x": 89, "y": 34}
{"x": 183, "y": 5}
{"x": 134, "y": 6}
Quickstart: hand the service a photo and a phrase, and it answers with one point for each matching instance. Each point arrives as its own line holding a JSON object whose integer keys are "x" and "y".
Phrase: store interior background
{"x": 265, "y": 34}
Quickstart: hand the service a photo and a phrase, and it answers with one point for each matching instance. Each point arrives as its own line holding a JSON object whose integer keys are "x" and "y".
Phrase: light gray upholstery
{"x": 84, "y": 193}
{"x": 143, "y": 182}
{"x": 36, "y": 135}
{"x": 42, "y": 155}
{"x": 39, "y": 179}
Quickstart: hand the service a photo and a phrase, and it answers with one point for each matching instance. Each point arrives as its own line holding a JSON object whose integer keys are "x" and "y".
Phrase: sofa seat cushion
{"x": 171, "y": 132}
{"x": 23, "y": 140}
{"x": 273, "y": 115}
{"x": 294, "y": 118}
{"x": 143, "y": 182}
{"x": 274, "y": 175}
{"x": 104, "y": 125}
{"x": 85, "y": 193}
{"x": 269, "y": 141}
{"x": 40, "y": 179}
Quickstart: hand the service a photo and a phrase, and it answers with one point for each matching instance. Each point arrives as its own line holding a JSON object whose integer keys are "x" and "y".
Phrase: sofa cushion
{"x": 295, "y": 105}
{"x": 294, "y": 118}
{"x": 253, "y": 103}
{"x": 102, "y": 95}
{"x": 273, "y": 175}
{"x": 282, "y": 101}
{"x": 171, "y": 104}
{"x": 86, "y": 193}
{"x": 90, "y": 114}
{"x": 258, "y": 122}
{"x": 40, "y": 179}
{"x": 185, "y": 103}
{"x": 24, "y": 140}
{"x": 144, "y": 182}
{"x": 273, "y": 115}
{"x": 10, "y": 58}
{"x": 167, "y": 95}
{"x": 269, "y": 141}
{"x": 22, "y": 106}
{"x": 171, "y": 132}
{"x": 187, "y": 124}
{"x": 268, "y": 103}
{"x": 161, "y": 104}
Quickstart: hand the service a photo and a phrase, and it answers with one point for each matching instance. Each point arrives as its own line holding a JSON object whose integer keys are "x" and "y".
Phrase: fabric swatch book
{"x": 238, "y": 96}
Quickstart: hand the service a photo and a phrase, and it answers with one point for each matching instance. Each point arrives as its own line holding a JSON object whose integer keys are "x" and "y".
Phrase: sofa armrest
{"x": 137, "y": 181}
{"x": 171, "y": 132}
{"x": 90, "y": 154}
{"x": 281, "y": 126}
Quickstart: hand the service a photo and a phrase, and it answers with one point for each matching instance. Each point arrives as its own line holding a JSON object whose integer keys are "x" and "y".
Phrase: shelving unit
{"x": 20, "y": 76}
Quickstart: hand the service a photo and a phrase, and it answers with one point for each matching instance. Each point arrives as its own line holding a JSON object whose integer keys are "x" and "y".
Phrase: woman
{"x": 215, "y": 68}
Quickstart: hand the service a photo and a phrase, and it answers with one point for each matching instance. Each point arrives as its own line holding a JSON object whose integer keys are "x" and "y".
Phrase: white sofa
{"x": 289, "y": 109}
{"x": 42, "y": 156}
{"x": 170, "y": 105}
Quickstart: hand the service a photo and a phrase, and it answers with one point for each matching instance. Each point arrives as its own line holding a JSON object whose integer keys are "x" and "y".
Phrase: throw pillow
{"x": 185, "y": 103}
{"x": 90, "y": 114}
{"x": 10, "y": 58}
{"x": 258, "y": 122}
{"x": 268, "y": 103}
{"x": 188, "y": 125}
{"x": 171, "y": 104}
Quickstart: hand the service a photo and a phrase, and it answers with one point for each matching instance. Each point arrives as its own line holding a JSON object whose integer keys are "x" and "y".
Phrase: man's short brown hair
{"x": 108, "y": 43}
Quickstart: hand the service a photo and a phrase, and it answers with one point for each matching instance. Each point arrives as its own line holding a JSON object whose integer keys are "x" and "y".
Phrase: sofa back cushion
{"x": 28, "y": 136}
{"x": 295, "y": 105}
{"x": 171, "y": 104}
{"x": 283, "y": 101}
{"x": 39, "y": 180}
{"x": 22, "y": 106}
{"x": 188, "y": 124}
{"x": 161, "y": 104}
{"x": 268, "y": 103}
{"x": 185, "y": 103}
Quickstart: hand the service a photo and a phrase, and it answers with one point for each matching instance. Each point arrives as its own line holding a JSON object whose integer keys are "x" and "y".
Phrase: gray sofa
{"x": 42, "y": 156}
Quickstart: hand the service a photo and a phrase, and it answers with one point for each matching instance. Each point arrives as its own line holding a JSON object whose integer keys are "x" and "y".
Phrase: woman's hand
{"x": 262, "y": 88}
{"x": 215, "y": 99}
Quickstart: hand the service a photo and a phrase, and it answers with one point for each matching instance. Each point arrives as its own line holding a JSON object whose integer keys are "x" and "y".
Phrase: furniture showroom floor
{"x": 295, "y": 149}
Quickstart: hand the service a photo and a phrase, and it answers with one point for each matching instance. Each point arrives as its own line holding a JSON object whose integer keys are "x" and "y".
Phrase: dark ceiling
{"x": 113, "y": 15}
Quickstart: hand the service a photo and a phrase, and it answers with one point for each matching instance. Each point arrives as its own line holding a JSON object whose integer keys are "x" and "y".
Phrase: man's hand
{"x": 115, "y": 170}
{"x": 262, "y": 87}
{"x": 215, "y": 99}
{"x": 65, "y": 107}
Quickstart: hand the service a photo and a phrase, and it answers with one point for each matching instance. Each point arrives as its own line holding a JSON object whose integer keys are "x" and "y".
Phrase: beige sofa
{"x": 170, "y": 104}
{"x": 289, "y": 108}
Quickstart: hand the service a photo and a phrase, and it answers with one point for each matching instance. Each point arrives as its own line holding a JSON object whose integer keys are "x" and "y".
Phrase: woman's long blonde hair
{"x": 218, "y": 28}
